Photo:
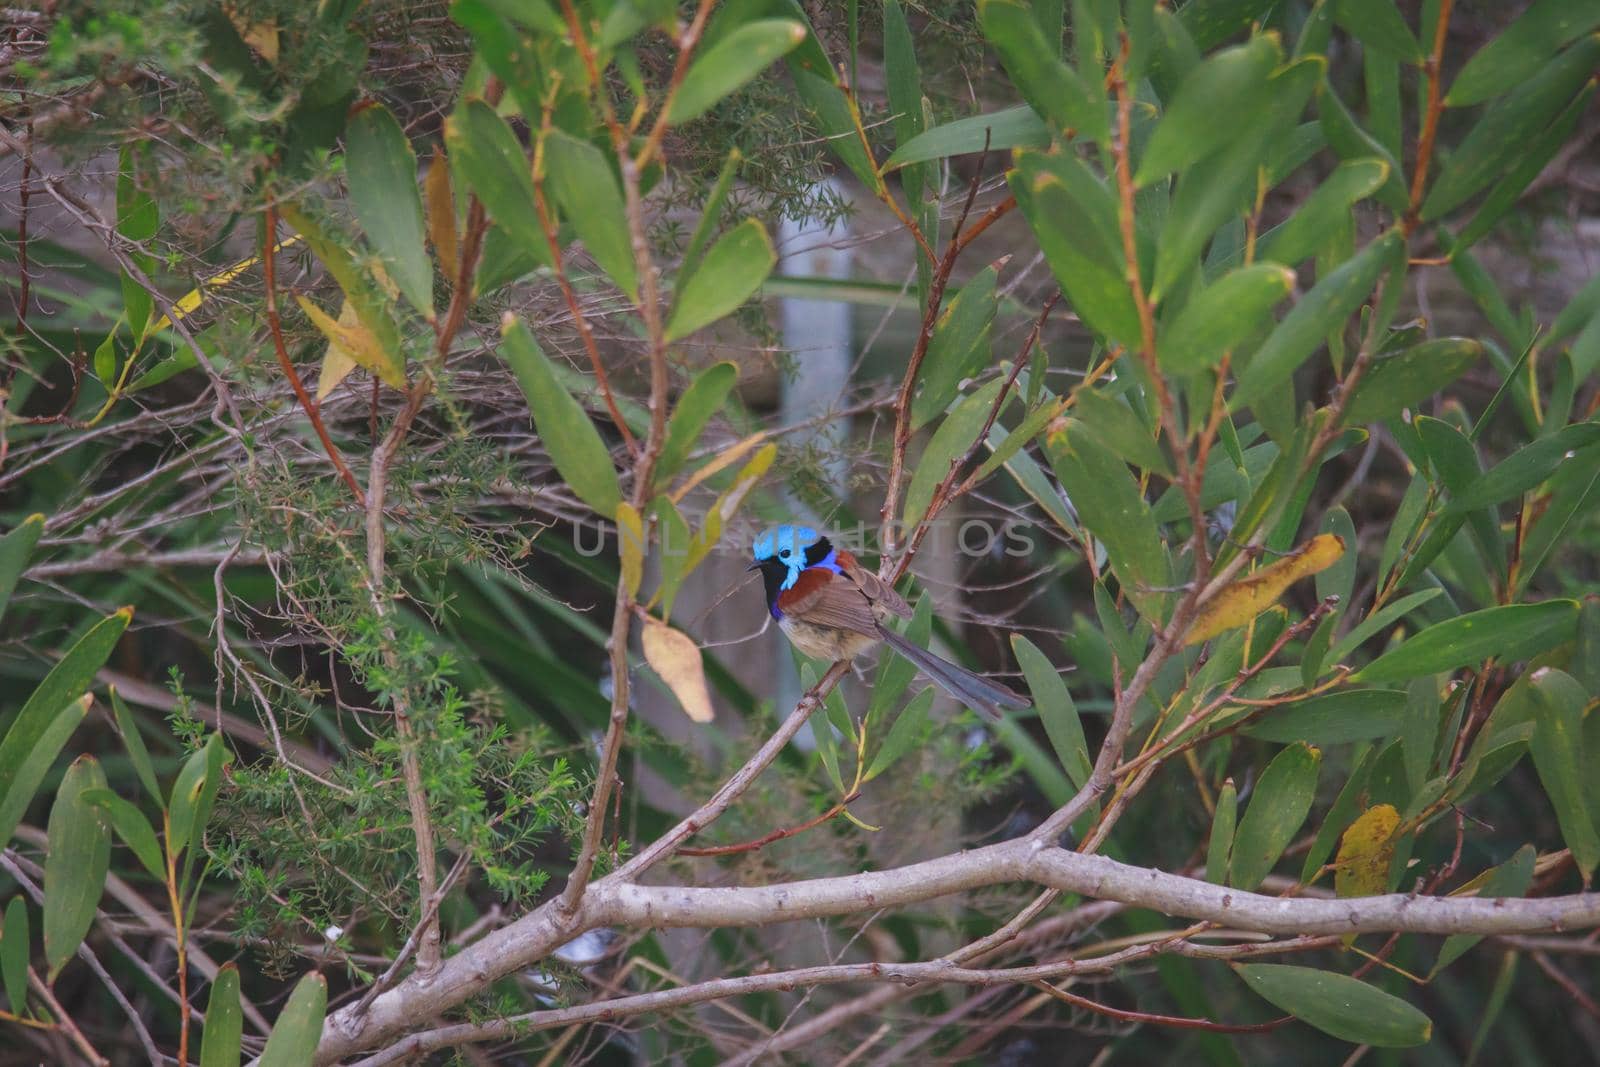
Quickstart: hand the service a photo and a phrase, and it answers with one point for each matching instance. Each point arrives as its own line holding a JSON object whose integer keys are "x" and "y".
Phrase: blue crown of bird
{"x": 832, "y": 608}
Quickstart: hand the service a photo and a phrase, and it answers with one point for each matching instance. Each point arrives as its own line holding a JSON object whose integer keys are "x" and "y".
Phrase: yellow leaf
{"x": 727, "y": 506}
{"x": 337, "y": 362}
{"x": 441, "y": 213}
{"x": 1362, "y": 867}
{"x": 676, "y": 658}
{"x": 727, "y": 458}
{"x": 630, "y": 546}
{"x": 262, "y": 36}
{"x": 1250, "y": 596}
{"x": 358, "y": 341}
{"x": 186, "y": 303}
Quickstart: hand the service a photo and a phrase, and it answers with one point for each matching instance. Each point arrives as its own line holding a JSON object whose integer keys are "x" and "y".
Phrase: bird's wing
{"x": 823, "y": 598}
{"x": 876, "y": 590}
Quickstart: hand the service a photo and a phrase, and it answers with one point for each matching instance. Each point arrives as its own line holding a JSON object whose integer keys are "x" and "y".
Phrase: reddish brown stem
{"x": 775, "y": 835}
{"x": 1430, "y": 117}
{"x": 1181, "y": 1022}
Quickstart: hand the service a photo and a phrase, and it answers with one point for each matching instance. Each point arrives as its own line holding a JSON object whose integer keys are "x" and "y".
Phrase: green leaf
{"x": 1056, "y": 710}
{"x": 897, "y": 672}
{"x": 731, "y": 63}
{"x": 1405, "y": 380}
{"x": 1352, "y": 143}
{"x": 38, "y": 731}
{"x": 1052, "y": 88}
{"x": 1346, "y": 809}
{"x": 1224, "y": 820}
{"x": 1333, "y": 718}
{"x": 1379, "y": 25}
{"x": 185, "y": 801}
{"x": 1530, "y": 163}
{"x": 909, "y": 727}
{"x": 382, "y": 171}
{"x": 703, "y": 399}
{"x": 1299, "y": 238}
{"x": 1225, "y": 184}
{"x": 1233, "y": 82}
{"x": 1510, "y": 879}
{"x": 1120, "y": 429}
{"x": 1338, "y": 1005}
{"x": 75, "y": 865}
{"x": 15, "y": 548}
{"x": 1111, "y": 506}
{"x": 1281, "y": 802}
{"x": 956, "y": 434}
{"x": 575, "y": 447}
{"x": 827, "y": 101}
{"x": 1559, "y": 703}
{"x": 581, "y": 181}
{"x": 134, "y": 743}
{"x": 1323, "y": 310}
{"x": 903, "y": 78}
{"x": 959, "y": 348}
{"x": 1210, "y": 22}
{"x": 1012, "y": 127}
{"x": 293, "y": 1042}
{"x": 491, "y": 161}
{"x": 224, "y": 1021}
{"x": 1521, "y": 49}
{"x": 1064, "y": 224}
{"x": 132, "y": 827}
{"x": 675, "y": 539}
{"x": 710, "y": 215}
{"x": 1509, "y": 632}
{"x": 1004, "y": 444}
{"x": 1223, "y": 316}
{"x": 15, "y": 951}
{"x": 1500, "y": 136}
{"x": 732, "y": 271}
{"x": 1528, "y": 466}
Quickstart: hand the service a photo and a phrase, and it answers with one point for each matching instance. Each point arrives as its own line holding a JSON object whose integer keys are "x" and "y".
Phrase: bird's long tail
{"x": 973, "y": 690}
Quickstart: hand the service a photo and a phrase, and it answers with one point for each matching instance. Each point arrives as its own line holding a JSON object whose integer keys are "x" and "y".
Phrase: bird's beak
{"x": 753, "y": 567}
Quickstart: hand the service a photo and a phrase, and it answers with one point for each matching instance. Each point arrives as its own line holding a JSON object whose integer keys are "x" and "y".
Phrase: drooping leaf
{"x": 955, "y": 436}
{"x": 25, "y": 757}
{"x": 1500, "y": 135}
{"x": 15, "y": 950}
{"x": 132, "y": 828}
{"x": 1120, "y": 429}
{"x": 1530, "y": 163}
{"x": 1223, "y": 316}
{"x": 1111, "y": 506}
{"x": 382, "y": 171}
{"x": 703, "y": 399}
{"x": 1509, "y": 632}
{"x": 732, "y": 271}
{"x": 1404, "y": 381}
{"x": 1279, "y": 806}
{"x": 15, "y": 548}
{"x": 294, "y": 1037}
{"x": 565, "y": 429}
{"x": 832, "y": 109}
{"x": 1307, "y": 229}
{"x": 488, "y": 156}
{"x": 909, "y": 727}
{"x": 1510, "y": 879}
{"x": 1335, "y": 718}
{"x": 1056, "y": 710}
{"x": 731, "y": 63}
{"x": 1337, "y": 1004}
{"x": 1224, "y": 822}
{"x": 1012, "y": 127}
{"x": 674, "y": 656}
{"x": 630, "y": 547}
{"x": 441, "y": 200}
{"x": 349, "y": 337}
{"x": 1559, "y": 702}
{"x": 1506, "y": 62}
{"x": 1244, "y": 599}
{"x": 1322, "y": 310}
{"x": 581, "y": 181}
{"x": 134, "y": 745}
{"x": 1051, "y": 88}
{"x": 1231, "y": 82}
{"x": 75, "y": 865}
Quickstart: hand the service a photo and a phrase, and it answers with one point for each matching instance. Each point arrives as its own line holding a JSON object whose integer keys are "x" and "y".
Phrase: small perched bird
{"x": 832, "y": 608}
